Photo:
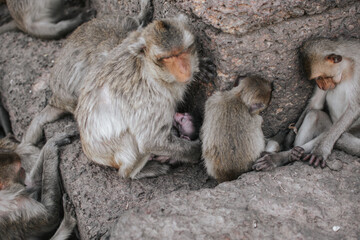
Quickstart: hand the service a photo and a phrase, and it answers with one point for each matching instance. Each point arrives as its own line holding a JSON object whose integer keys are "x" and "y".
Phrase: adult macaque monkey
{"x": 44, "y": 18}
{"x": 22, "y": 214}
{"x": 122, "y": 81}
{"x": 335, "y": 67}
{"x": 232, "y": 138}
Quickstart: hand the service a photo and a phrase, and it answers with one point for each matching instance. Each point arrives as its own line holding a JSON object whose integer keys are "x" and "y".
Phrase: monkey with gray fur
{"x": 331, "y": 119}
{"x": 23, "y": 214}
{"x": 122, "y": 79}
{"x": 44, "y": 18}
{"x": 232, "y": 138}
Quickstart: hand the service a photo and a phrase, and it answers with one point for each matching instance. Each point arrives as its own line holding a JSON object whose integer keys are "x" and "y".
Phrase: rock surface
{"x": 242, "y": 37}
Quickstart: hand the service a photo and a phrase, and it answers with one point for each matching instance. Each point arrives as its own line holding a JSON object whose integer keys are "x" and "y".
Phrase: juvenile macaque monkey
{"x": 331, "y": 119}
{"x": 122, "y": 80}
{"x": 23, "y": 214}
{"x": 44, "y": 18}
{"x": 232, "y": 138}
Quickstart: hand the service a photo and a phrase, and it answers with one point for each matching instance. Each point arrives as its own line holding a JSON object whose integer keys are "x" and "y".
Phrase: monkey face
{"x": 325, "y": 83}
{"x": 183, "y": 122}
{"x": 172, "y": 47}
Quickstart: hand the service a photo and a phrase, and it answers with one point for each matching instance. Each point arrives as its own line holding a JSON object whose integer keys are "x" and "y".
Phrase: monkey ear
{"x": 255, "y": 108}
{"x": 137, "y": 47}
{"x": 334, "y": 58}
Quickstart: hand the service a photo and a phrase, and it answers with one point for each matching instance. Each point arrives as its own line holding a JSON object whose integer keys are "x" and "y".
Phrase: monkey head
{"x": 325, "y": 64}
{"x": 255, "y": 92}
{"x": 184, "y": 123}
{"x": 10, "y": 169}
{"x": 168, "y": 49}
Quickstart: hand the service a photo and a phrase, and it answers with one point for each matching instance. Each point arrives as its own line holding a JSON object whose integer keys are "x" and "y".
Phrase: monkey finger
{"x": 312, "y": 159}
{"x": 317, "y": 161}
{"x": 307, "y": 157}
{"x": 323, "y": 163}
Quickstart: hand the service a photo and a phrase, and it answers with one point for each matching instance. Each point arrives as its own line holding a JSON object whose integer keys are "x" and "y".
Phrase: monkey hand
{"x": 88, "y": 15}
{"x": 207, "y": 71}
{"x": 265, "y": 163}
{"x": 69, "y": 212}
{"x": 318, "y": 156}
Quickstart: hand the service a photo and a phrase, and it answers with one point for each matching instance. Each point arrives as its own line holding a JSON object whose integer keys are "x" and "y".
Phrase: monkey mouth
{"x": 325, "y": 83}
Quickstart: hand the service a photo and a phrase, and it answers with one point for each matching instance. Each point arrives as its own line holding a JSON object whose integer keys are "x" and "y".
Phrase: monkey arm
{"x": 326, "y": 143}
{"x": 178, "y": 149}
{"x": 50, "y": 187}
{"x": 317, "y": 102}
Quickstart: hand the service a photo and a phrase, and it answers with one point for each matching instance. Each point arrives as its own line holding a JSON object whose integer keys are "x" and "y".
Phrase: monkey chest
{"x": 337, "y": 101}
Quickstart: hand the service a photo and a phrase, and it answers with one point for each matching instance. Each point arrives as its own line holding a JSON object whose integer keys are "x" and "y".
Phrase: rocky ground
{"x": 242, "y": 37}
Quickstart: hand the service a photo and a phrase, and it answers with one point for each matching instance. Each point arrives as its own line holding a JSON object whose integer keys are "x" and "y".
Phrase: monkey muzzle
{"x": 325, "y": 83}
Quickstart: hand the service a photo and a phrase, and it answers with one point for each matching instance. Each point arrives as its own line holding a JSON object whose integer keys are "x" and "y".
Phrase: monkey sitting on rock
{"x": 232, "y": 138}
{"x": 331, "y": 119}
{"x": 46, "y": 19}
{"x": 30, "y": 202}
{"x": 122, "y": 79}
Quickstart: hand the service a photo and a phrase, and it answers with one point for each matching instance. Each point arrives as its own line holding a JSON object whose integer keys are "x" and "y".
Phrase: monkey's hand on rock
{"x": 265, "y": 163}
{"x": 296, "y": 154}
{"x": 317, "y": 157}
{"x": 88, "y": 15}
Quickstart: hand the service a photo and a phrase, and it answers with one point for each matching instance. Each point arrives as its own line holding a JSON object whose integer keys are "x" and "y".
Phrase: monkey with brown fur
{"x": 44, "y": 18}
{"x": 232, "y": 138}
{"x": 331, "y": 119}
{"x": 122, "y": 80}
{"x": 22, "y": 214}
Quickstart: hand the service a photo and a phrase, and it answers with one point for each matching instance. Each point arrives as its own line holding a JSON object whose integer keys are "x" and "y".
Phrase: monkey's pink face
{"x": 184, "y": 123}
{"x": 178, "y": 64}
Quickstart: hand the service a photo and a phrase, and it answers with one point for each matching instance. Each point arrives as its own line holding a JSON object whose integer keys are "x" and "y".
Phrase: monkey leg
{"x": 10, "y": 26}
{"x": 349, "y": 144}
{"x": 270, "y": 161}
{"x": 315, "y": 123}
{"x": 50, "y": 188}
{"x": 35, "y": 130}
{"x": 179, "y": 149}
{"x": 68, "y": 223}
{"x": 47, "y": 29}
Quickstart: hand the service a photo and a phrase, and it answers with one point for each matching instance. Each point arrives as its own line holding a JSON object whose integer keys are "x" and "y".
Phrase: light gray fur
{"x": 25, "y": 215}
{"x": 319, "y": 131}
{"x": 122, "y": 99}
{"x": 44, "y": 18}
{"x": 232, "y": 138}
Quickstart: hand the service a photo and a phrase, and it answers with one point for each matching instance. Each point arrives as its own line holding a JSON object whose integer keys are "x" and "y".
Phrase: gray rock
{"x": 292, "y": 202}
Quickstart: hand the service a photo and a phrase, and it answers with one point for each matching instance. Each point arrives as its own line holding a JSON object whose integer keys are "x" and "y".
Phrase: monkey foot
{"x": 315, "y": 160}
{"x": 265, "y": 163}
{"x": 69, "y": 211}
{"x": 296, "y": 153}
